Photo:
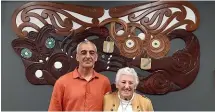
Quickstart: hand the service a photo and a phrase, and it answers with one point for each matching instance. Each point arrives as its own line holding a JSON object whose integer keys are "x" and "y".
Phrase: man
{"x": 82, "y": 89}
{"x": 126, "y": 99}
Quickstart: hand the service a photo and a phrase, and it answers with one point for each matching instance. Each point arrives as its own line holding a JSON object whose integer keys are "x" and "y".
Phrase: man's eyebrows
{"x": 87, "y": 50}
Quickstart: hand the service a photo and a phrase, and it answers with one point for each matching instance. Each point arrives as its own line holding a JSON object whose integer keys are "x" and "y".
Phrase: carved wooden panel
{"x": 48, "y": 34}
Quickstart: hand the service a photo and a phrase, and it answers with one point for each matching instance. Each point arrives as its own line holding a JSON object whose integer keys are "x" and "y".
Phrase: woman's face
{"x": 126, "y": 86}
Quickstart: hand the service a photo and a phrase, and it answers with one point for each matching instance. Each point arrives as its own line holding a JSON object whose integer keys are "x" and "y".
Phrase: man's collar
{"x": 76, "y": 74}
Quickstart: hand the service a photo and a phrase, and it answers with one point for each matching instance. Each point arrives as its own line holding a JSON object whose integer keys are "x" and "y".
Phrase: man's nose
{"x": 88, "y": 55}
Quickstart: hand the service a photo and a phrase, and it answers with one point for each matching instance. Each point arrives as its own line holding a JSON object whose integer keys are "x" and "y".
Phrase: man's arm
{"x": 57, "y": 97}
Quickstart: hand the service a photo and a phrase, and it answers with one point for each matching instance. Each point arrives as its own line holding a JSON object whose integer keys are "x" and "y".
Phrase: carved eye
{"x": 50, "y": 43}
{"x": 26, "y": 53}
{"x": 156, "y": 43}
{"x": 39, "y": 73}
{"x": 58, "y": 65}
{"x": 130, "y": 43}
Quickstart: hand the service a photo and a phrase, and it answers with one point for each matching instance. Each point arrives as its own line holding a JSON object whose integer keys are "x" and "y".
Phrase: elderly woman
{"x": 125, "y": 99}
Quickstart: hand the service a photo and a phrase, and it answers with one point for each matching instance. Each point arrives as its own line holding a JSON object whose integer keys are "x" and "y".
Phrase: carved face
{"x": 126, "y": 86}
{"x": 86, "y": 55}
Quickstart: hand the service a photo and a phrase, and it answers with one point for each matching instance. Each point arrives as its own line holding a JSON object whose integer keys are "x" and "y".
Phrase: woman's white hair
{"x": 127, "y": 71}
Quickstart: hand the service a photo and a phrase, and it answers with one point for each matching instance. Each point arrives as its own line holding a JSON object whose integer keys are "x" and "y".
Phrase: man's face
{"x": 86, "y": 55}
{"x": 126, "y": 86}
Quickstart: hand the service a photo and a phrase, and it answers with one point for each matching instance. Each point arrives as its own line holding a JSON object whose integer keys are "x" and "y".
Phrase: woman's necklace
{"x": 125, "y": 103}
{"x": 124, "y": 109}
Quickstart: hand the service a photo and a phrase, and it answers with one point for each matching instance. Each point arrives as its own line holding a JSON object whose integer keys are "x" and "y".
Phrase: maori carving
{"x": 135, "y": 38}
{"x": 52, "y": 11}
{"x": 157, "y": 47}
{"x": 36, "y": 55}
{"x": 175, "y": 72}
{"x": 161, "y": 9}
{"x": 39, "y": 52}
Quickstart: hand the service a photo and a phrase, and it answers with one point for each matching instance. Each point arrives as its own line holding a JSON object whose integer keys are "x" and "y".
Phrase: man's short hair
{"x": 85, "y": 42}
